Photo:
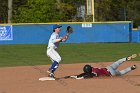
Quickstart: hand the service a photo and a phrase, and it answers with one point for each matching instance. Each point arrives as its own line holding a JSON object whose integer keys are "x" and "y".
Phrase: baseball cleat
{"x": 133, "y": 67}
{"x": 50, "y": 74}
{"x": 132, "y": 56}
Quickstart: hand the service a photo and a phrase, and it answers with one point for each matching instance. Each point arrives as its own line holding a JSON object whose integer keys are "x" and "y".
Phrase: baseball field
{"x": 22, "y": 65}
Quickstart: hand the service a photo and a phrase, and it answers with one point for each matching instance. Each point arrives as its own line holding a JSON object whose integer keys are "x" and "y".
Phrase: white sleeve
{"x": 56, "y": 40}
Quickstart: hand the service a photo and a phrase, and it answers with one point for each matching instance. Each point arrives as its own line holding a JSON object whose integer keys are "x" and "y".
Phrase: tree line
{"x": 40, "y": 11}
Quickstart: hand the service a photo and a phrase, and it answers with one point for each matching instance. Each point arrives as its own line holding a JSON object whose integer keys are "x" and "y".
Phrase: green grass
{"x": 19, "y": 55}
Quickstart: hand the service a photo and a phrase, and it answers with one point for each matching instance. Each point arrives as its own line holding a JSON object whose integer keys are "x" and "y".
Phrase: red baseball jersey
{"x": 101, "y": 71}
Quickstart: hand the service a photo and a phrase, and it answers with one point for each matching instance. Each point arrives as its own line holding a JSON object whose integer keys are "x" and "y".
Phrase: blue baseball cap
{"x": 56, "y": 26}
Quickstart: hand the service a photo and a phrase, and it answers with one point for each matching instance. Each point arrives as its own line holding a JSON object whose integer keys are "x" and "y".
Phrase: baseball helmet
{"x": 87, "y": 68}
{"x": 56, "y": 26}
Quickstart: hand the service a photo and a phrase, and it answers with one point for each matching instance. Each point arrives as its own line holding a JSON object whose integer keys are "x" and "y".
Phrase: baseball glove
{"x": 69, "y": 30}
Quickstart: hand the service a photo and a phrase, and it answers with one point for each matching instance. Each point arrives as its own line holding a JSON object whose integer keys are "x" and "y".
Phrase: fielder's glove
{"x": 69, "y": 30}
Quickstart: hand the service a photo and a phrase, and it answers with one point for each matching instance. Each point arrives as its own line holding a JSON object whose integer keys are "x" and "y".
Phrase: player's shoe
{"x": 132, "y": 56}
{"x": 50, "y": 74}
{"x": 133, "y": 67}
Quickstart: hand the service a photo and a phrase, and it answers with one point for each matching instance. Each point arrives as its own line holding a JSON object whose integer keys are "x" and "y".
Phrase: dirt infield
{"x": 25, "y": 80}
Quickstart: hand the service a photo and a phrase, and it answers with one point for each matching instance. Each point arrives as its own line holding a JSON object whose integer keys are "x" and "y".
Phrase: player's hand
{"x": 64, "y": 38}
{"x": 75, "y": 77}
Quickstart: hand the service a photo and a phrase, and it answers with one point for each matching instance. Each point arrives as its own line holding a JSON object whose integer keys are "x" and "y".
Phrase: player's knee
{"x": 58, "y": 59}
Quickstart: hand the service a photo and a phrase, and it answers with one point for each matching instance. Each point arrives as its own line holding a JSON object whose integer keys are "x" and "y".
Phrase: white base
{"x": 46, "y": 78}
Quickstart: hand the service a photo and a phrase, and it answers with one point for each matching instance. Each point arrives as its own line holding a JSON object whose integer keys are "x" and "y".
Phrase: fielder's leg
{"x": 55, "y": 57}
{"x": 54, "y": 66}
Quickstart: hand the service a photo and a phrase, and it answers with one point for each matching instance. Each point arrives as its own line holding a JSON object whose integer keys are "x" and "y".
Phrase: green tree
{"x": 66, "y": 10}
{"x": 36, "y": 11}
{"x": 117, "y": 10}
{"x": 3, "y": 11}
{"x": 44, "y": 11}
{"x": 107, "y": 10}
{"x": 133, "y": 12}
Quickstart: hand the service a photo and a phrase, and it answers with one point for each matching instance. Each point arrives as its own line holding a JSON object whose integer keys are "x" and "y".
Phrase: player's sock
{"x": 54, "y": 66}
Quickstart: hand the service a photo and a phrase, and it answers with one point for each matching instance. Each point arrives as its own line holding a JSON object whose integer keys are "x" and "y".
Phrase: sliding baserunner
{"x": 110, "y": 70}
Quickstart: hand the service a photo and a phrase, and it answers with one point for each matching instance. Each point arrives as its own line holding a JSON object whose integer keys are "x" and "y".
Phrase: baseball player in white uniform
{"x": 52, "y": 49}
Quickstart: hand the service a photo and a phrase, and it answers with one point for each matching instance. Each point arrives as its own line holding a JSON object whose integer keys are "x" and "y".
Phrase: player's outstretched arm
{"x": 83, "y": 76}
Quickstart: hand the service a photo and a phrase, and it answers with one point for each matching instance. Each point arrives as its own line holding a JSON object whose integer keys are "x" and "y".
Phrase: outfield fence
{"x": 136, "y": 36}
{"x": 84, "y": 32}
